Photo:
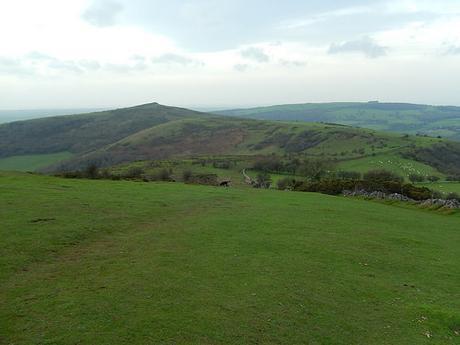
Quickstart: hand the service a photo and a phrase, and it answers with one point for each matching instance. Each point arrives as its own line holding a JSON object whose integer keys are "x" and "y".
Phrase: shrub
{"x": 164, "y": 175}
{"x": 286, "y": 183}
{"x": 91, "y": 171}
{"x": 332, "y": 187}
{"x": 267, "y": 164}
{"x": 382, "y": 175}
{"x": 263, "y": 180}
{"x": 349, "y": 175}
{"x": 433, "y": 178}
{"x": 416, "y": 193}
{"x": 453, "y": 196}
{"x": 134, "y": 173}
{"x": 187, "y": 175}
{"x": 416, "y": 178}
{"x": 313, "y": 169}
{"x": 222, "y": 164}
{"x": 204, "y": 179}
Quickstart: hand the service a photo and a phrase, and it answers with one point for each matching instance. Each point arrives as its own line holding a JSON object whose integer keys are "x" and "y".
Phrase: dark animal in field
{"x": 226, "y": 183}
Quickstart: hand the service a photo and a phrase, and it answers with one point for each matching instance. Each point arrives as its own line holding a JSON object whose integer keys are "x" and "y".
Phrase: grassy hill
{"x": 395, "y": 117}
{"x": 21, "y": 115}
{"x": 156, "y": 132}
{"x": 102, "y": 262}
{"x": 86, "y": 132}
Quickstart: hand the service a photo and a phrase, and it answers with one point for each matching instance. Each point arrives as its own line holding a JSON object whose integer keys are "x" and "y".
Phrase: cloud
{"x": 241, "y": 67}
{"x": 53, "y": 63}
{"x": 91, "y": 65}
{"x": 365, "y": 45}
{"x": 255, "y": 54}
{"x": 13, "y": 66}
{"x": 176, "y": 59}
{"x": 292, "y": 63}
{"x": 102, "y": 13}
{"x": 453, "y": 50}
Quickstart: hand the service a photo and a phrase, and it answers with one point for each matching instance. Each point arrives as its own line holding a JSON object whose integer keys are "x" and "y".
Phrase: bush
{"x": 336, "y": 187}
{"x": 382, "y": 175}
{"x": 263, "y": 180}
{"x": 222, "y": 164}
{"x": 453, "y": 178}
{"x": 453, "y": 196}
{"x": 286, "y": 183}
{"x": 332, "y": 187}
{"x": 416, "y": 178}
{"x": 314, "y": 169}
{"x": 187, "y": 175}
{"x": 164, "y": 175}
{"x": 91, "y": 171}
{"x": 134, "y": 173}
{"x": 416, "y": 193}
{"x": 268, "y": 164}
{"x": 433, "y": 178}
{"x": 204, "y": 179}
{"x": 349, "y": 175}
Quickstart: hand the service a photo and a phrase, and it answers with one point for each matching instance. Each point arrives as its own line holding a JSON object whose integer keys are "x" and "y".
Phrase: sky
{"x": 227, "y": 53}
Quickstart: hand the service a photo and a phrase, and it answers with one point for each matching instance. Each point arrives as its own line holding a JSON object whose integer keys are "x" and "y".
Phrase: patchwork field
{"x": 104, "y": 262}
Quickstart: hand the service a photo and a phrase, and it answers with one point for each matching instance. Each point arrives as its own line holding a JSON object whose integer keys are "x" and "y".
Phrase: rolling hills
{"x": 155, "y": 132}
{"x": 394, "y": 117}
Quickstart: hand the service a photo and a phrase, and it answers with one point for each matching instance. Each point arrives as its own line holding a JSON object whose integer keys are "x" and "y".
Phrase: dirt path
{"x": 247, "y": 178}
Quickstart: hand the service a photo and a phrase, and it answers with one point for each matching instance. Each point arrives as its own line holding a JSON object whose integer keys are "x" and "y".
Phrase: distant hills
{"x": 394, "y": 117}
{"x": 153, "y": 131}
{"x": 21, "y": 115}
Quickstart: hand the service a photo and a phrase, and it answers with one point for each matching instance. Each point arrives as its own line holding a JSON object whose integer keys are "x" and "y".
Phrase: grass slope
{"x": 156, "y": 132}
{"x": 32, "y": 162}
{"x": 99, "y": 262}
{"x": 232, "y": 136}
{"x": 86, "y": 132}
{"x": 395, "y": 117}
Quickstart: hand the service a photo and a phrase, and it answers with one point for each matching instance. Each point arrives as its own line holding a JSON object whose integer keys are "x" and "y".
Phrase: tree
{"x": 382, "y": 175}
{"x": 92, "y": 171}
{"x": 313, "y": 169}
{"x": 134, "y": 172}
{"x": 416, "y": 178}
{"x": 433, "y": 178}
{"x": 349, "y": 175}
{"x": 286, "y": 183}
{"x": 187, "y": 175}
{"x": 164, "y": 175}
{"x": 263, "y": 180}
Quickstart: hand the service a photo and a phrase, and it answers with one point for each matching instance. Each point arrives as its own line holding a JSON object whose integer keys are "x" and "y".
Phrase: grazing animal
{"x": 225, "y": 183}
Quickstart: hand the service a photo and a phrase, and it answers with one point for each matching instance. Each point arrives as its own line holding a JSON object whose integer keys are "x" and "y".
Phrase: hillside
{"x": 21, "y": 115}
{"x": 158, "y": 263}
{"x": 156, "y": 132}
{"x": 216, "y": 136}
{"x": 86, "y": 132}
{"x": 394, "y": 117}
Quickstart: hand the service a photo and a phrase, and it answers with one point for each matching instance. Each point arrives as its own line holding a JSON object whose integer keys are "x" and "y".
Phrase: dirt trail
{"x": 247, "y": 178}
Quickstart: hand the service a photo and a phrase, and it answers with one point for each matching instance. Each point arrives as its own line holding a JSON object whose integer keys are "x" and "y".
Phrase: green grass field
{"x": 31, "y": 162}
{"x": 445, "y": 187}
{"x": 102, "y": 262}
{"x": 391, "y": 162}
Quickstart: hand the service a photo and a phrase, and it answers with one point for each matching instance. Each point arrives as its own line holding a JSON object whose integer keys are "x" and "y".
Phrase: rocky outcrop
{"x": 441, "y": 203}
{"x": 451, "y": 204}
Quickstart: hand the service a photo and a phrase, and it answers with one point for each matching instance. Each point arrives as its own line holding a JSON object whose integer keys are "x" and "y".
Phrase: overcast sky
{"x": 224, "y": 53}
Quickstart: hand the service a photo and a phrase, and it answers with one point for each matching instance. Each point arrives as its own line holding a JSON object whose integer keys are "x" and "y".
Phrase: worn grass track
{"x": 101, "y": 262}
